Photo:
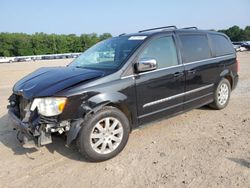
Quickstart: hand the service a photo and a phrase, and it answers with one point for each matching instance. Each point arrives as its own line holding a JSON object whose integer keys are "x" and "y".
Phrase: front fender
{"x": 92, "y": 105}
{"x": 114, "y": 97}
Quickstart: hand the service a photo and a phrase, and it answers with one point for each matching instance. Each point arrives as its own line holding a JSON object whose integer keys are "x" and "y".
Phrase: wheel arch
{"x": 227, "y": 75}
{"x": 124, "y": 109}
{"x": 114, "y": 99}
{"x": 96, "y": 103}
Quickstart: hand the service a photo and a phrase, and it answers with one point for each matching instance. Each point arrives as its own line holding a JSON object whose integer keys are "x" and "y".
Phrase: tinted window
{"x": 163, "y": 50}
{"x": 195, "y": 48}
{"x": 221, "y": 45}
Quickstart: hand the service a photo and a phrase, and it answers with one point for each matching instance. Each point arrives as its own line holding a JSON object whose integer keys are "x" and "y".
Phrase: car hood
{"x": 48, "y": 81}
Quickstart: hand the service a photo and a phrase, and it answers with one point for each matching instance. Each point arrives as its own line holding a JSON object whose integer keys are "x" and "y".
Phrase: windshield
{"x": 108, "y": 54}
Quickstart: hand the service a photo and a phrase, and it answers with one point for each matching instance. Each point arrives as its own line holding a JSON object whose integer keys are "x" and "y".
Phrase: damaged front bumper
{"x": 29, "y": 134}
{"x": 38, "y": 132}
{"x": 35, "y": 129}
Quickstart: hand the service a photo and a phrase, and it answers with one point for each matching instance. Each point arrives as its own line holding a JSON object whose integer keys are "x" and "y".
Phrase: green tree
{"x": 247, "y": 33}
{"x": 19, "y": 44}
{"x": 235, "y": 33}
{"x": 22, "y": 45}
{"x": 6, "y": 44}
{"x": 105, "y": 36}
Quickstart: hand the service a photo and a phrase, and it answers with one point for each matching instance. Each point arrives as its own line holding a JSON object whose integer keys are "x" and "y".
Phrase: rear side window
{"x": 221, "y": 45}
{"x": 194, "y": 48}
{"x": 163, "y": 50}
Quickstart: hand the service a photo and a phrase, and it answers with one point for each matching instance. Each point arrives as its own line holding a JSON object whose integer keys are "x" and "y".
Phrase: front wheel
{"x": 103, "y": 135}
{"x": 221, "y": 95}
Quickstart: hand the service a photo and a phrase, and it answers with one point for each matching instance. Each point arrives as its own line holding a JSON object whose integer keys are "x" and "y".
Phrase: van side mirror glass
{"x": 146, "y": 64}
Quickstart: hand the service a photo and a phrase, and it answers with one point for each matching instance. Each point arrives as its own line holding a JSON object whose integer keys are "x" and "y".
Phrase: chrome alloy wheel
{"x": 223, "y": 94}
{"x": 106, "y": 135}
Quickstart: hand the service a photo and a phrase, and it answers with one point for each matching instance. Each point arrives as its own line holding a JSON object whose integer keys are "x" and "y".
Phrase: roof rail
{"x": 190, "y": 28}
{"x": 166, "y": 27}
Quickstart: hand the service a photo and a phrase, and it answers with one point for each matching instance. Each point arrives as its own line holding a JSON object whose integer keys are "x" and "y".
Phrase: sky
{"x": 116, "y": 17}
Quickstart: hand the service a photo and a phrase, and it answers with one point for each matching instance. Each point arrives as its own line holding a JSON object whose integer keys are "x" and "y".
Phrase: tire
{"x": 221, "y": 95}
{"x": 103, "y": 135}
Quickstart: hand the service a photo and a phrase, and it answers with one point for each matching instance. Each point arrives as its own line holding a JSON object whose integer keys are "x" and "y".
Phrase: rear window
{"x": 221, "y": 45}
{"x": 195, "y": 48}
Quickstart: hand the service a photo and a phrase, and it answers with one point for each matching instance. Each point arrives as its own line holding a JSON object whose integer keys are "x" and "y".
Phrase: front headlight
{"x": 49, "y": 106}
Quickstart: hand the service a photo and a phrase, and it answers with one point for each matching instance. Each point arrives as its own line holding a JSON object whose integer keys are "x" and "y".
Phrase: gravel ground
{"x": 201, "y": 148}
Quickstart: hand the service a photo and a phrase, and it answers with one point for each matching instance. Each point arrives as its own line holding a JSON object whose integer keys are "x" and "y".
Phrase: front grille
{"x": 23, "y": 106}
{"x": 48, "y": 120}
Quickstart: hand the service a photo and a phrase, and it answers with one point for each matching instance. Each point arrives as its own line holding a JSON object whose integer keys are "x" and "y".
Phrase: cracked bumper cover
{"x": 39, "y": 136}
{"x": 29, "y": 135}
{"x": 22, "y": 126}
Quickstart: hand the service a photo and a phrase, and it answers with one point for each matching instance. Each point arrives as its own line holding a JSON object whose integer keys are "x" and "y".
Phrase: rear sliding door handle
{"x": 178, "y": 74}
{"x": 191, "y": 71}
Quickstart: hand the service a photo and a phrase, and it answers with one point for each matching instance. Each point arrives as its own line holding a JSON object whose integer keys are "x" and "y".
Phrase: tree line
{"x": 21, "y": 44}
{"x": 235, "y": 33}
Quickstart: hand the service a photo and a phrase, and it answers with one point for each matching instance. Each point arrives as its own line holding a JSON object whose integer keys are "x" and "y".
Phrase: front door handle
{"x": 178, "y": 74}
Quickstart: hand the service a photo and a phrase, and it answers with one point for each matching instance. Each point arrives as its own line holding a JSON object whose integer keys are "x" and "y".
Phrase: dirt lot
{"x": 201, "y": 148}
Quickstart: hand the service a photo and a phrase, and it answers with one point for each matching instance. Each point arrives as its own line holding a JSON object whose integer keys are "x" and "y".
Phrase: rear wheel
{"x": 103, "y": 135}
{"x": 221, "y": 95}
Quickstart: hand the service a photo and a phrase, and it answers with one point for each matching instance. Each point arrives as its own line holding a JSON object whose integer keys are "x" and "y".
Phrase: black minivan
{"x": 122, "y": 83}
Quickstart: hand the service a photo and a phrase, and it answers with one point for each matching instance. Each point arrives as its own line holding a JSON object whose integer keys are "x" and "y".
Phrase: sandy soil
{"x": 201, "y": 148}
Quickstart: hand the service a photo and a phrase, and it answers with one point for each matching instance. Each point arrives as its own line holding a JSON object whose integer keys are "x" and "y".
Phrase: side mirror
{"x": 146, "y": 64}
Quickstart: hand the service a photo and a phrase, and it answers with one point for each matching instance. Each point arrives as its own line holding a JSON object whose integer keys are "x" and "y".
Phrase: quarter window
{"x": 195, "y": 48}
{"x": 162, "y": 50}
{"x": 221, "y": 45}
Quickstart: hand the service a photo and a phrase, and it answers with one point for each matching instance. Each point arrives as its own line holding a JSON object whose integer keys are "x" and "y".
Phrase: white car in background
{"x": 238, "y": 47}
{"x": 7, "y": 59}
